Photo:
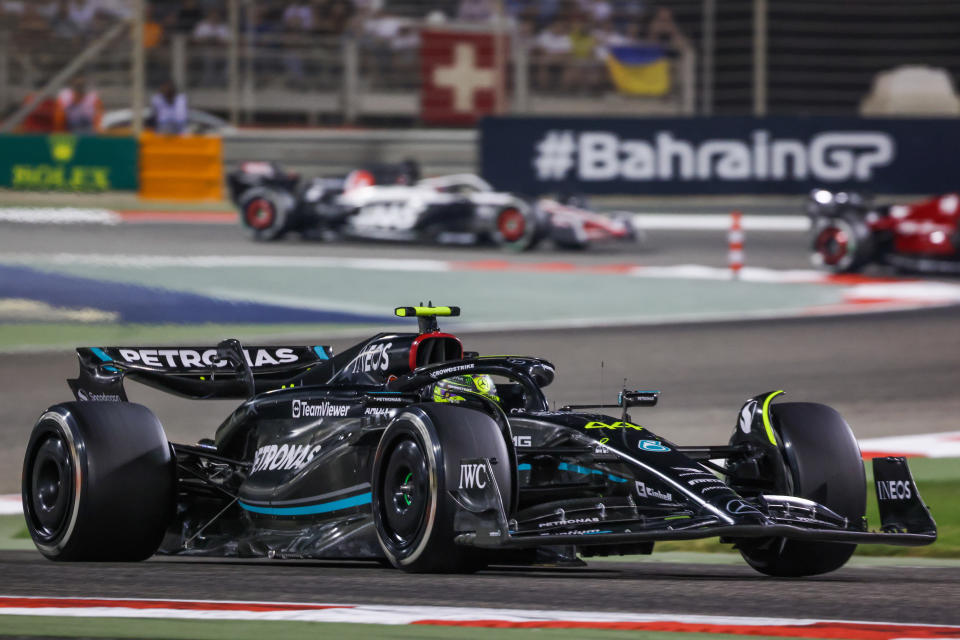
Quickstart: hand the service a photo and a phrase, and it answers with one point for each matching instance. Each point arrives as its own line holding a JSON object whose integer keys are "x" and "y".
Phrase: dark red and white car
{"x": 392, "y": 202}
{"x": 851, "y": 232}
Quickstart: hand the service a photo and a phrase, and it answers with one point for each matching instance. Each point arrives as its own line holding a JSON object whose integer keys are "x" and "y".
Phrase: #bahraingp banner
{"x": 719, "y": 155}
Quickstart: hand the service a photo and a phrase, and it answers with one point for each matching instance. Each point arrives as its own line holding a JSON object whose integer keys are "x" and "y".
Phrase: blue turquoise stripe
{"x": 100, "y": 353}
{"x": 563, "y": 466}
{"x": 323, "y": 507}
{"x": 321, "y": 353}
{"x": 524, "y": 467}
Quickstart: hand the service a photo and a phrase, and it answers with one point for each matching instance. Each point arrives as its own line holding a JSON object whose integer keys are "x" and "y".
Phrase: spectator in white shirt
{"x": 212, "y": 33}
{"x": 170, "y": 114}
{"x": 82, "y": 13}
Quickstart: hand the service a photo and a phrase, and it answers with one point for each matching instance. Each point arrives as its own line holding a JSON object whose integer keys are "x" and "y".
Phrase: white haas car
{"x": 391, "y": 202}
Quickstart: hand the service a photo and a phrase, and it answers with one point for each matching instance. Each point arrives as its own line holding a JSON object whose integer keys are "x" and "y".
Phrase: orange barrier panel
{"x": 181, "y": 167}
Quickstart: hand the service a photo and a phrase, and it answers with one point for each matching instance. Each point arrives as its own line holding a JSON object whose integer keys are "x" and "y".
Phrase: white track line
{"x": 927, "y": 445}
{"x": 58, "y": 215}
{"x": 10, "y": 505}
{"x": 718, "y": 222}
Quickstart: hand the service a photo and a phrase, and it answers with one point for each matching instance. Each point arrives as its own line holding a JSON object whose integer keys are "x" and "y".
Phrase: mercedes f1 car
{"x": 851, "y": 232}
{"x": 406, "y": 449}
{"x": 391, "y": 202}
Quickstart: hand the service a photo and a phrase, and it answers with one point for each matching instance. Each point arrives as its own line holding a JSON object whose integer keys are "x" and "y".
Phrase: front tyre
{"x": 823, "y": 464}
{"x": 98, "y": 482}
{"x": 415, "y": 466}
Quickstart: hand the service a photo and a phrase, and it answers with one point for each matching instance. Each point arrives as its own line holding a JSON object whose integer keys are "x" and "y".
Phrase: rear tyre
{"x": 416, "y": 463}
{"x": 843, "y": 244}
{"x": 265, "y": 212}
{"x": 98, "y": 482}
{"x": 516, "y": 228}
{"x": 823, "y": 462}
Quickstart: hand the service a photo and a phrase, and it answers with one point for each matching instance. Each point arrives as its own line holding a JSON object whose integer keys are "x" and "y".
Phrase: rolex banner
{"x": 64, "y": 162}
{"x": 720, "y": 155}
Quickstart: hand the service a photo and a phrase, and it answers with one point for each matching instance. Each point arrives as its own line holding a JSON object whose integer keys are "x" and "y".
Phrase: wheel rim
{"x": 511, "y": 224}
{"x": 833, "y": 244}
{"x": 405, "y": 493}
{"x": 50, "y": 491}
{"x": 260, "y": 214}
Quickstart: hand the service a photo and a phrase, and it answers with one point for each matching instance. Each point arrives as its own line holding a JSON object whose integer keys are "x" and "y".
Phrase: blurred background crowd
{"x": 568, "y": 39}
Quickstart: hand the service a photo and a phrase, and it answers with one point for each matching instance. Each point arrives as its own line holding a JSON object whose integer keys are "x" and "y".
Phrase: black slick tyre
{"x": 516, "y": 227}
{"x": 823, "y": 464}
{"x": 842, "y": 245}
{"x": 98, "y": 482}
{"x": 414, "y": 469}
{"x": 265, "y": 212}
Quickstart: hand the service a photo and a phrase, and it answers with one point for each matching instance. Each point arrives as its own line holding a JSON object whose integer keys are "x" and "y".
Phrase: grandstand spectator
{"x": 332, "y": 16}
{"x": 551, "y": 54}
{"x": 476, "y": 11}
{"x": 597, "y": 11}
{"x": 61, "y": 24}
{"x": 78, "y": 108}
{"x": 664, "y": 31}
{"x": 582, "y": 69}
{"x": 82, "y": 14}
{"x": 170, "y": 112}
{"x": 211, "y": 34}
{"x": 298, "y": 19}
{"x": 187, "y": 16}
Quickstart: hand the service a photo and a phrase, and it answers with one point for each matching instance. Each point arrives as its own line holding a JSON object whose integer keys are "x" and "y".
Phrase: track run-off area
{"x": 661, "y": 315}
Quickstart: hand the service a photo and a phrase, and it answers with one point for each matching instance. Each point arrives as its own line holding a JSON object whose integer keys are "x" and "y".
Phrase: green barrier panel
{"x": 66, "y": 162}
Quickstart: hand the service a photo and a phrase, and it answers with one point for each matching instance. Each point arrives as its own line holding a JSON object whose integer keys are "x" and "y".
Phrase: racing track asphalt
{"x": 887, "y": 374}
{"x": 926, "y": 595}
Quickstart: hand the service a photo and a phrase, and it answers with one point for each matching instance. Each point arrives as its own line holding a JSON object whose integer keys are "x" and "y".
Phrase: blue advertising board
{"x": 719, "y": 155}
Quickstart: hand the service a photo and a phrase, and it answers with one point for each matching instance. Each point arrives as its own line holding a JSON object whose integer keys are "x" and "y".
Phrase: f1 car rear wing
{"x": 227, "y": 370}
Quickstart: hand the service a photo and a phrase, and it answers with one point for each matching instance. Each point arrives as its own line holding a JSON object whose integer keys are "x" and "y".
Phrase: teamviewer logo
{"x": 555, "y": 155}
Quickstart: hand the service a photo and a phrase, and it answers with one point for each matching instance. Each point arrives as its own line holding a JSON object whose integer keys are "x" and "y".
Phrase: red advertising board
{"x": 459, "y": 75}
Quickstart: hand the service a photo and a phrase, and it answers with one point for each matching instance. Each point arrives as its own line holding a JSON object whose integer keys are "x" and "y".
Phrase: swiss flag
{"x": 459, "y": 75}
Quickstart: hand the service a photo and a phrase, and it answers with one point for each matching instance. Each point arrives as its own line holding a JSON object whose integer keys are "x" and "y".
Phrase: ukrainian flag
{"x": 639, "y": 70}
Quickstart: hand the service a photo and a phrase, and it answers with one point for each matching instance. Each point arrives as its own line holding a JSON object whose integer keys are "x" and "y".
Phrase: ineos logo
{"x": 894, "y": 490}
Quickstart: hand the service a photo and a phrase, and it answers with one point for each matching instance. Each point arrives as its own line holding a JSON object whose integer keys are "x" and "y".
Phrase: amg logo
{"x": 303, "y": 409}
{"x": 473, "y": 476}
{"x": 380, "y": 412}
{"x": 649, "y": 492}
{"x": 522, "y": 441}
{"x": 894, "y": 490}
{"x": 90, "y": 396}
{"x": 284, "y": 457}
{"x": 192, "y": 358}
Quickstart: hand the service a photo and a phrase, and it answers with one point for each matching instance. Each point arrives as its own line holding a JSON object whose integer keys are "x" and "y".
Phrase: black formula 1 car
{"x": 406, "y": 449}
{"x": 391, "y": 202}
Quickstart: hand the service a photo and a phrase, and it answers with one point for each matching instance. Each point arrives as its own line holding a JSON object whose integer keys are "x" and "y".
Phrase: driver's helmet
{"x": 454, "y": 388}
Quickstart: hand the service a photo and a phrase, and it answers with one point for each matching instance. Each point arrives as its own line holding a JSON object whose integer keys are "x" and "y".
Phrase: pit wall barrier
{"x": 719, "y": 155}
{"x": 67, "y": 162}
{"x": 181, "y": 167}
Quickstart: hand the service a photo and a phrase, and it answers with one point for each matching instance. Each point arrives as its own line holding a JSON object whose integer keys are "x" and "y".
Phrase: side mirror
{"x": 637, "y": 398}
